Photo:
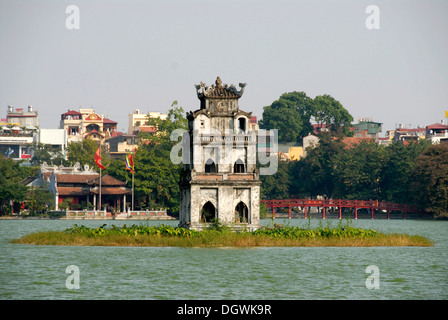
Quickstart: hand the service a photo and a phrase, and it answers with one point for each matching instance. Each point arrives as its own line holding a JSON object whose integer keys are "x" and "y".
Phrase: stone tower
{"x": 220, "y": 180}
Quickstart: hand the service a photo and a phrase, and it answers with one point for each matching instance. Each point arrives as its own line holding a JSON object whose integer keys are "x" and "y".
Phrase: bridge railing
{"x": 341, "y": 203}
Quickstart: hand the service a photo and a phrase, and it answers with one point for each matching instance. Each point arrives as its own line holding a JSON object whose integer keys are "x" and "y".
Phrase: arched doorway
{"x": 208, "y": 212}
{"x": 242, "y": 124}
{"x": 210, "y": 166}
{"x": 241, "y": 213}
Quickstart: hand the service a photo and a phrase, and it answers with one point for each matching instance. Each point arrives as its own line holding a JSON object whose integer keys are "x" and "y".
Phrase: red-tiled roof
{"x": 93, "y": 132}
{"x": 73, "y": 191}
{"x": 75, "y": 178}
{"x": 116, "y": 133}
{"x": 70, "y": 112}
{"x": 353, "y": 141}
{"x": 108, "y": 121}
{"x": 111, "y": 190}
{"x": 437, "y": 126}
{"x": 147, "y": 129}
{"x": 107, "y": 180}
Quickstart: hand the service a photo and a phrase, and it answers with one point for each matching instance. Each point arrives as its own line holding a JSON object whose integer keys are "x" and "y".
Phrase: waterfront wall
{"x": 104, "y": 215}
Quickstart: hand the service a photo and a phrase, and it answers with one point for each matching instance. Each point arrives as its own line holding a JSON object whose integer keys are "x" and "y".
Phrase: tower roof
{"x": 218, "y": 90}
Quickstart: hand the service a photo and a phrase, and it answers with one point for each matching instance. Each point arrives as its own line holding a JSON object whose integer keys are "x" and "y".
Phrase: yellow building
{"x": 86, "y": 124}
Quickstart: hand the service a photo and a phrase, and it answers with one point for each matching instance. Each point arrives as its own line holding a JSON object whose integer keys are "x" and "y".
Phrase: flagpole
{"x": 132, "y": 190}
{"x": 100, "y": 192}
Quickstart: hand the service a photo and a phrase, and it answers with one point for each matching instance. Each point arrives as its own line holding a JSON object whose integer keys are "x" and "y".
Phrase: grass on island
{"x": 221, "y": 236}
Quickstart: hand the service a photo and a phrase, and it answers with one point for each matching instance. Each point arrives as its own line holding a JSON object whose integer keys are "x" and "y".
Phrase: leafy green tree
{"x": 156, "y": 178}
{"x": 46, "y": 153}
{"x": 429, "y": 181}
{"x": 290, "y": 115}
{"x": 400, "y": 162}
{"x": 84, "y": 153}
{"x": 312, "y": 175}
{"x": 174, "y": 120}
{"x": 11, "y": 190}
{"x": 39, "y": 200}
{"x": 330, "y": 112}
{"x": 276, "y": 186}
{"x": 357, "y": 171}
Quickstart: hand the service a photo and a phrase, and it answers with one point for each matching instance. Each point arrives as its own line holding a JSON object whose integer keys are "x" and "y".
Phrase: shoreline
{"x": 86, "y": 218}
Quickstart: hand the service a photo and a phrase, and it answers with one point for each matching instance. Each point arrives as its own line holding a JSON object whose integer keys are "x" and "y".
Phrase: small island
{"x": 222, "y": 236}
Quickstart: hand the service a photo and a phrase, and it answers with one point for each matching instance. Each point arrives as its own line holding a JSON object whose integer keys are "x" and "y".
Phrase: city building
{"x": 138, "y": 121}
{"x": 309, "y": 142}
{"x": 79, "y": 187}
{"x": 366, "y": 128}
{"x": 290, "y": 151}
{"x": 220, "y": 179}
{"x": 26, "y": 119}
{"x": 119, "y": 146}
{"x": 437, "y": 133}
{"x": 409, "y": 134}
{"x": 86, "y": 124}
{"x": 253, "y": 124}
{"x": 16, "y": 142}
{"x": 57, "y": 138}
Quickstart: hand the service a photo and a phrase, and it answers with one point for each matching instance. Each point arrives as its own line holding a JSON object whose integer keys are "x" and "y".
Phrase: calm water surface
{"x": 38, "y": 272}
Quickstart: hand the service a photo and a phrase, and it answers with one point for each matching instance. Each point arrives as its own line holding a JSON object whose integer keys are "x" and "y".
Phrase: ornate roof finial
{"x": 218, "y": 83}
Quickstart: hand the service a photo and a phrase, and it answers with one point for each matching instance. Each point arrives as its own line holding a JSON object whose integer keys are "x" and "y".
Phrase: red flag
{"x": 98, "y": 159}
{"x": 129, "y": 161}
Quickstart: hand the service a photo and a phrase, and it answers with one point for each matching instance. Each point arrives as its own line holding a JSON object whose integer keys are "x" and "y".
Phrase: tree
{"x": 330, "y": 112}
{"x": 174, "y": 120}
{"x": 357, "y": 171}
{"x": 400, "y": 161}
{"x": 276, "y": 186}
{"x": 46, "y": 153}
{"x": 39, "y": 200}
{"x": 429, "y": 181}
{"x": 290, "y": 115}
{"x": 156, "y": 177}
{"x": 84, "y": 153}
{"x": 11, "y": 190}
{"x": 312, "y": 175}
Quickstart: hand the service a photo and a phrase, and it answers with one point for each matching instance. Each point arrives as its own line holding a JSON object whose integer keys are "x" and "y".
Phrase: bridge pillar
{"x": 356, "y": 213}
{"x": 273, "y": 212}
{"x": 305, "y": 208}
{"x": 323, "y": 212}
{"x": 388, "y": 214}
{"x": 340, "y": 213}
{"x": 289, "y": 213}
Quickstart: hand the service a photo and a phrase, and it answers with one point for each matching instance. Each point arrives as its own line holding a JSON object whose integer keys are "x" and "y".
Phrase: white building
{"x": 137, "y": 120}
{"x": 57, "y": 138}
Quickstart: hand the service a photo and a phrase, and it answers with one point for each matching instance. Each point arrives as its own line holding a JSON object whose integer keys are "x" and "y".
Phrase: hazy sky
{"x": 145, "y": 54}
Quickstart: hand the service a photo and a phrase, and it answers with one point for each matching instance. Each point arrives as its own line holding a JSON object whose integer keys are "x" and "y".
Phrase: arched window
{"x": 241, "y": 213}
{"x": 238, "y": 167}
{"x": 210, "y": 166}
{"x": 242, "y": 124}
{"x": 92, "y": 127}
{"x": 208, "y": 212}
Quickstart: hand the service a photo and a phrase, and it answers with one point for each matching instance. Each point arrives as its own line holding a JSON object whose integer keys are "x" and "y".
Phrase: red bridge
{"x": 338, "y": 203}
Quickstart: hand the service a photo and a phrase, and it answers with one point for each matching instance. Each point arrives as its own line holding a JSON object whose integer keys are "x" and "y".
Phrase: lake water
{"x": 39, "y": 272}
